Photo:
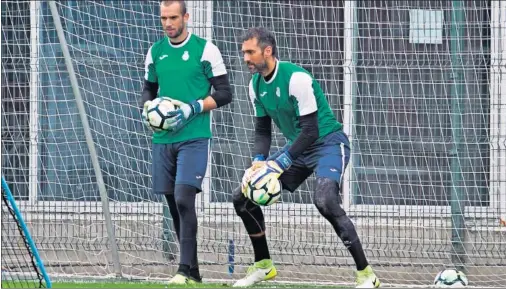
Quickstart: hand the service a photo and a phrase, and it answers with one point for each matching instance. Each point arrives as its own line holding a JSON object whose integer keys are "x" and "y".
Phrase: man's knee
{"x": 327, "y": 198}
{"x": 250, "y": 213}
{"x": 185, "y": 198}
{"x": 328, "y": 201}
{"x": 239, "y": 200}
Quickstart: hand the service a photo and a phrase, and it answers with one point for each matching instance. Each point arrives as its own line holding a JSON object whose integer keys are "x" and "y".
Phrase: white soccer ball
{"x": 157, "y": 113}
{"x": 451, "y": 278}
{"x": 267, "y": 195}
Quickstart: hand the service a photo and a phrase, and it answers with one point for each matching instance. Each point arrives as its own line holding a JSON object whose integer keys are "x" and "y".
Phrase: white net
{"x": 20, "y": 266}
{"x": 417, "y": 84}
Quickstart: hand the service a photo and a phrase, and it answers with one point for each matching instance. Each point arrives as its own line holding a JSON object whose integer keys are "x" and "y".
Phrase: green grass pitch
{"x": 141, "y": 285}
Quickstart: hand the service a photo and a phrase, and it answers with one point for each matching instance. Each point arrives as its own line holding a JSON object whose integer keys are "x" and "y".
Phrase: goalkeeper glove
{"x": 271, "y": 169}
{"x": 178, "y": 118}
{"x": 144, "y": 115}
{"x": 258, "y": 162}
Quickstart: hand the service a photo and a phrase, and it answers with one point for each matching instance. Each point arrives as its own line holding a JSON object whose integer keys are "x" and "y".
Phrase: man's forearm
{"x": 308, "y": 135}
{"x": 209, "y": 104}
{"x": 149, "y": 91}
{"x": 222, "y": 94}
{"x": 263, "y": 137}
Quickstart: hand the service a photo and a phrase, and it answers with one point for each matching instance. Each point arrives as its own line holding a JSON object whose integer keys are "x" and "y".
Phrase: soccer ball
{"x": 157, "y": 113}
{"x": 451, "y": 278}
{"x": 267, "y": 195}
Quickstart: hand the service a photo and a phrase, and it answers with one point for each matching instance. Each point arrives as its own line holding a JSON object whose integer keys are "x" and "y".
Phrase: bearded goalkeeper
{"x": 183, "y": 66}
{"x": 288, "y": 95}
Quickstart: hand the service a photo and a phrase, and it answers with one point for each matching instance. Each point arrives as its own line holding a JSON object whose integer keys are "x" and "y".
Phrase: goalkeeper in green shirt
{"x": 183, "y": 66}
{"x": 288, "y": 95}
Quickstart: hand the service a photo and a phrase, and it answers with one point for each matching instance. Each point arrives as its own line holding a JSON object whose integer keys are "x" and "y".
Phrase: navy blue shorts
{"x": 327, "y": 157}
{"x": 182, "y": 163}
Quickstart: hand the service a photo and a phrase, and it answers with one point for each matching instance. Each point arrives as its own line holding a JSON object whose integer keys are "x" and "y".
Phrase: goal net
{"x": 21, "y": 264}
{"x": 418, "y": 86}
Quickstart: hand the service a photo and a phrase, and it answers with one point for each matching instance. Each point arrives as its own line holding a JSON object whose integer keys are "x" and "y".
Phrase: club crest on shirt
{"x": 186, "y": 56}
{"x": 278, "y": 92}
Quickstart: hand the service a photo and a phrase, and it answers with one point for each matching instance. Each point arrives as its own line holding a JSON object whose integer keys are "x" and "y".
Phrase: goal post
{"x": 418, "y": 85}
{"x": 76, "y": 89}
{"x": 22, "y": 266}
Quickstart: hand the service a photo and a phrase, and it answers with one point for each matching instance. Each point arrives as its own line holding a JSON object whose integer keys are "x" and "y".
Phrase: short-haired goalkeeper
{"x": 288, "y": 95}
{"x": 183, "y": 66}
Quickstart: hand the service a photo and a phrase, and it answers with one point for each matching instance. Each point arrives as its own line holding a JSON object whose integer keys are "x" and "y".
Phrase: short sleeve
{"x": 301, "y": 87}
{"x": 257, "y": 105}
{"x": 213, "y": 61}
{"x": 149, "y": 66}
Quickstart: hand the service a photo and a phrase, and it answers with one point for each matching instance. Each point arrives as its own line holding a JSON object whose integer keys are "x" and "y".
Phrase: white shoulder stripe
{"x": 301, "y": 87}
{"x": 147, "y": 63}
{"x": 213, "y": 55}
{"x": 252, "y": 96}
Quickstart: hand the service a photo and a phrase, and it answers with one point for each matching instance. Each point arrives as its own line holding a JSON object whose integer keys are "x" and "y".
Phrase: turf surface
{"x": 6, "y": 284}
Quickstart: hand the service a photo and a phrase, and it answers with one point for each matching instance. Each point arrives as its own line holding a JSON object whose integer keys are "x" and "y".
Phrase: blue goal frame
{"x": 29, "y": 240}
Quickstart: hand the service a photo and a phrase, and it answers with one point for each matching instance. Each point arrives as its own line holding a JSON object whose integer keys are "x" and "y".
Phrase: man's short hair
{"x": 264, "y": 36}
{"x": 181, "y": 3}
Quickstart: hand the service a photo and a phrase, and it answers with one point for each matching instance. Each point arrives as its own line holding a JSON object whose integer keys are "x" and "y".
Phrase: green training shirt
{"x": 291, "y": 92}
{"x": 182, "y": 72}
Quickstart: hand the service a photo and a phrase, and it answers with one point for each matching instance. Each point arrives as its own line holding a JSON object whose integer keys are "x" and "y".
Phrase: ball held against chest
{"x": 157, "y": 113}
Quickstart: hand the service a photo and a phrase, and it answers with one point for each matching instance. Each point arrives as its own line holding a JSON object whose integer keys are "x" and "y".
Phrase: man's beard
{"x": 178, "y": 33}
{"x": 260, "y": 67}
